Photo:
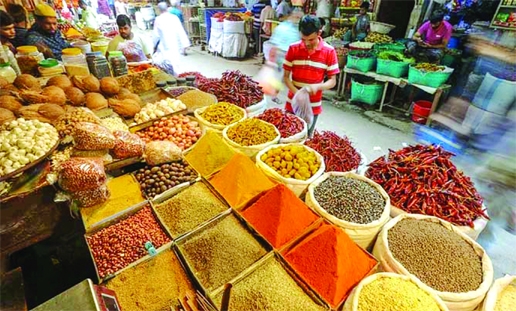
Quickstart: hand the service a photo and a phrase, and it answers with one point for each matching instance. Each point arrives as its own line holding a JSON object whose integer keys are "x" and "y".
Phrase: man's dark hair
{"x": 365, "y": 5}
{"x": 123, "y": 20}
{"x": 267, "y": 2}
{"x": 309, "y": 24}
{"x": 17, "y": 12}
{"x": 5, "y": 19}
{"x": 436, "y": 17}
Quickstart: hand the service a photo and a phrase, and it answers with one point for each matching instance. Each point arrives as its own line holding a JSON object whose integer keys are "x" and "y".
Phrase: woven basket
{"x": 381, "y": 27}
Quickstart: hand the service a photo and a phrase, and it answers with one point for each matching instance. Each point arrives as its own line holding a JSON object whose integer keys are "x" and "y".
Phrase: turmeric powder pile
{"x": 395, "y": 294}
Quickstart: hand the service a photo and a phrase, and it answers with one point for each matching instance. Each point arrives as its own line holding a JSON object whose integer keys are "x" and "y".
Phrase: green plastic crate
{"x": 431, "y": 79}
{"x": 361, "y": 64}
{"x": 396, "y": 47}
{"x": 391, "y": 68}
{"x": 366, "y": 93}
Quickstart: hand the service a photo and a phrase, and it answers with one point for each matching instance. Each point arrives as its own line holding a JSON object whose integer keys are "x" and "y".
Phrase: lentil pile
{"x": 155, "y": 284}
{"x": 437, "y": 256}
{"x": 125, "y": 192}
{"x": 213, "y": 145}
{"x": 196, "y": 99}
{"x": 222, "y": 113}
{"x": 271, "y": 288}
{"x": 395, "y": 294}
{"x": 279, "y": 215}
{"x": 157, "y": 179}
{"x": 252, "y": 132}
{"x": 350, "y": 199}
{"x": 188, "y": 209}
{"x": 292, "y": 161}
{"x": 287, "y": 124}
{"x": 423, "y": 180}
{"x": 338, "y": 152}
{"x": 118, "y": 245}
{"x": 506, "y": 299}
{"x": 220, "y": 252}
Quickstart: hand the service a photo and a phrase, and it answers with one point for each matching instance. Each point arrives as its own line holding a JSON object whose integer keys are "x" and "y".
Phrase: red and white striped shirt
{"x": 310, "y": 69}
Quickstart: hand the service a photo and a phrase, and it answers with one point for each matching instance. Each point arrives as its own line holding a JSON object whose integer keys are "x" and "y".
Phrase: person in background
{"x": 431, "y": 38}
{"x": 362, "y": 26}
{"x": 307, "y": 63}
{"x": 283, "y": 9}
{"x": 134, "y": 47}
{"x": 267, "y": 13}
{"x": 257, "y": 11}
{"x": 175, "y": 8}
{"x": 88, "y": 16}
{"x": 324, "y": 11}
{"x": 7, "y": 31}
{"x": 44, "y": 34}
{"x": 103, "y": 8}
{"x": 19, "y": 15}
{"x": 169, "y": 40}
{"x": 120, "y": 8}
{"x": 111, "y": 4}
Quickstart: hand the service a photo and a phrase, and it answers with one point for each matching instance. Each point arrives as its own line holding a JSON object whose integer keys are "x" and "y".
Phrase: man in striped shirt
{"x": 307, "y": 64}
{"x": 257, "y": 11}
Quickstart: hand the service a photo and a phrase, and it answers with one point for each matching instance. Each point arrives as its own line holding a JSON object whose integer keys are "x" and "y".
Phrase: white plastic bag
{"x": 302, "y": 106}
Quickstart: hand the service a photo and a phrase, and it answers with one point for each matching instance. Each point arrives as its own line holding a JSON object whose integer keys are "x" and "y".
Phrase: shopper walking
{"x": 257, "y": 11}
{"x": 307, "y": 63}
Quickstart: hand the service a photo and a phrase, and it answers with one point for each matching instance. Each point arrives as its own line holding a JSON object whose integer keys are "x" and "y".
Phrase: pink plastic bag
{"x": 302, "y": 106}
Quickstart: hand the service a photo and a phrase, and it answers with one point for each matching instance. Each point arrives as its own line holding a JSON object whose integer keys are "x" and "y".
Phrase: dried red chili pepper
{"x": 427, "y": 182}
{"x": 287, "y": 123}
{"x": 339, "y": 155}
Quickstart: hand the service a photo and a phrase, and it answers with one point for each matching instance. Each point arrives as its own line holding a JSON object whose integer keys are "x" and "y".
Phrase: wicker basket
{"x": 381, "y": 27}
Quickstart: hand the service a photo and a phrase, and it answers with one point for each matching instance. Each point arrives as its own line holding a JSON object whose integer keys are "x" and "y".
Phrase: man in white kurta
{"x": 169, "y": 39}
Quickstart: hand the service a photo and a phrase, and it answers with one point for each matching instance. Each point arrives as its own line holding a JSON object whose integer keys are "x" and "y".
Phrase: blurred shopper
{"x": 134, "y": 46}
{"x": 175, "y": 8}
{"x": 169, "y": 40}
{"x": 120, "y": 7}
{"x": 268, "y": 13}
{"x": 257, "y": 11}
{"x": 103, "y": 8}
{"x": 283, "y": 9}
{"x": 111, "y": 4}
{"x": 7, "y": 30}
{"x": 44, "y": 34}
{"x": 88, "y": 16}
{"x": 19, "y": 15}
{"x": 324, "y": 11}
{"x": 307, "y": 63}
{"x": 431, "y": 38}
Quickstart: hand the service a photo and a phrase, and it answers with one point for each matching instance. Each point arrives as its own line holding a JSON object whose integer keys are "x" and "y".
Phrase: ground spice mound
{"x": 221, "y": 252}
{"x": 270, "y": 288}
{"x": 240, "y": 181}
{"x": 395, "y": 294}
{"x": 190, "y": 208}
{"x": 209, "y": 154}
{"x": 125, "y": 192}
{"x": 439, "y": 257}
{"x": 155, "y": 284}
{"x": 279, "y": 215}
{"x": 330, "y": 262}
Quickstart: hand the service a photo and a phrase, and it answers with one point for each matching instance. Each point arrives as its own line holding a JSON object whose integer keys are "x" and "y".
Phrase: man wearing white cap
{"x": 44, "y": 34}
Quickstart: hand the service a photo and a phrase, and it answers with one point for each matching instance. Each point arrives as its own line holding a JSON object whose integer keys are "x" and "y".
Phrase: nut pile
{"x": 419, "y": 246}
{"x": 350, "y": 199}
{"x": 115, "y": 124}
{"x": 158, "y": 110}
{"x": 118, "y": 245}
{"x": 292, "y": 161}
{"x": 155, "y": 180}
{"x": 179, "y": 129}
{"x": 222, "y": 113}
{"x": 91, "y": 136}
{"x": 66, "y": 125}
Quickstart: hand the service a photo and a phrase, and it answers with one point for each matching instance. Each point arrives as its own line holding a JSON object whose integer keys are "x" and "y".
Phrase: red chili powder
{"x": 330, "y": 262}
{"x": 279, "y": 215}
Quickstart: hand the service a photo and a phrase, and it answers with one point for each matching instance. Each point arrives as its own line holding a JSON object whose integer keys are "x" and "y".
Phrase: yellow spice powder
{"x": 125, "y": 192}
{"x": 395, "y": 294}
{"x": 507, "y": 299}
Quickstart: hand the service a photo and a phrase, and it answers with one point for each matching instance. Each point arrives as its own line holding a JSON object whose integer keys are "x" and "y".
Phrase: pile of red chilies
{"x": 423, "y": 180}
{"x": 339, "y": 155}
{"x": 234, "y": 87}
{"x": 286, "y": 123}
{"x": 199, "y": 78}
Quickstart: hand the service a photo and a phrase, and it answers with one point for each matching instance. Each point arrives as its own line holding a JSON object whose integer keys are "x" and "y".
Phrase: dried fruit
{"x": 75, "y": 96}
{"x": 61, "y": 81}
{"x": 27, "y": 82}
{"x": 125, "y": 108}
{"x": 54, "y": 95}
{"x": 95, "y": 101}
{"x": 86, "y": 83}
{"x": 10, "y": 103}
{"x": 109, "y": 86}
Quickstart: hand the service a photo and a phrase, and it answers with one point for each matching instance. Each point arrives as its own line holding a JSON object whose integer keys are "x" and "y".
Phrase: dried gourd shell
{"x": 10, "y": 103}
{"x": 55, "y": 95}
{"x": 51, "y": 111}
{"x": 61, "y": 81}
{"x": 6, "y": 116}
{"x": 86, "y": 83}
{"x": 95, "y": 101}
{"x": 3, "y": 82}
{"x": 109, "y": 86}
{"x": 126, "y": 108}
{"x": 32, "y": 113}
{"x": 75, "y": 96}
{"x": 33, "y": 97}
{"x": 27, "y": 82}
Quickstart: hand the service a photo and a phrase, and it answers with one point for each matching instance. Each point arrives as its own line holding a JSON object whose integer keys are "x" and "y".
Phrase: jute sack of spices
{"x": 456, "y": 301}
{"x": 362, "y": 234}
{"x": 218, "y": 128}
{"x": 296, "y": 185}
{"x": 493, "y": 295}
{"x": 425, "y": 300}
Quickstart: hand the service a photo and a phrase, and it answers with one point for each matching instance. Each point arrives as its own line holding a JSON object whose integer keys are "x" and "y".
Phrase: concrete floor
{"x": 371, "y": 137}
